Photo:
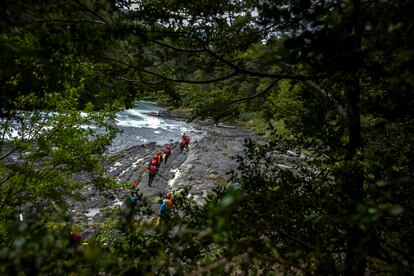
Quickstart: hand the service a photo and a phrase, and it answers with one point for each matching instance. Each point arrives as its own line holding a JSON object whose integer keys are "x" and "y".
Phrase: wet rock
{"x": 98, "y": 219}
{"x": 202, "y": 167}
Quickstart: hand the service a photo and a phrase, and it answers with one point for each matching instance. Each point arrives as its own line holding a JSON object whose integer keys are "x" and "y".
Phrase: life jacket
{"x": 182, "y": 143}
{"x": 167, "y": 152}
{"x": 157, "y": 158}
{"x": 187, "y": 139}
{"x": 153, "y": 169}
{"x": 154, "y": 162}
{"x": 165, "y": 204}
{"x": 133, "y": 199}
{"x": 163, "y": 208}
{"x": 75, "y": 237}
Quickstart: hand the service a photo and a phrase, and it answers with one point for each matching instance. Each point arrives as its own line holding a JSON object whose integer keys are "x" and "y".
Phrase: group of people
{"x": 185, "y": 142}
{"x": 135, "y": 197}
{"x": 155, "y": 163}
{"x": 153, "y": 167}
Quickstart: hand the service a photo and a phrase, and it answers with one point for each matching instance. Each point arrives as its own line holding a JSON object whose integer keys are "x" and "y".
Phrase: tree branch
{"x": 263, "y": 93}
{"x": 218, "y": 79}
{"x": 308, "y": 246}
{"x": 320, "y": 90}
{"x": 176, "y": 48}
{"x": 69, "y": 21}
{"x": 240, "y": 70}
{"x": 325, "y": 93}
{"x": 223, "y": 77}
{"x": 220, "y": 58}
{"x": 139, "y": 81}
{"x": 91, "y": 11}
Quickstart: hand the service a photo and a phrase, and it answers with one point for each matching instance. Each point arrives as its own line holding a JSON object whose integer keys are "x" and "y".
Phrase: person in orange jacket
{"x": 135, "y": 184}
{"x": 159, "y": 157}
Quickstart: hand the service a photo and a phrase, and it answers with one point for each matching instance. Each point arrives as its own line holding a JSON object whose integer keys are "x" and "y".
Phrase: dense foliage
{"x": 331, "y": 79}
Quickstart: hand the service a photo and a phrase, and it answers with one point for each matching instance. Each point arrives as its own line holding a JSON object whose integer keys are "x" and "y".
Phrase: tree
{"x": 346, "y": 66}
{"x": 332, "y": 47}
{"x": 47, "y": 45}
{"x": 45, "y": 140}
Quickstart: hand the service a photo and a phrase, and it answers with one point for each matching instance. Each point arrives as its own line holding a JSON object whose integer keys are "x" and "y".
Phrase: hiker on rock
{"x": 182, "y": 145}
{"x": 135, "y": 184}
{"x": 159, "y": 159}
{"x": 132, "y": 200}
{"x": 74, "y": 238}
{"x": 187, "y": 140}
{"x": 152, "y": 171}
{"x": 167, "y": 195}
{"x": 154, "y": 161}
{"x": 167, "y": 153}
{"x": 165, "y": 207}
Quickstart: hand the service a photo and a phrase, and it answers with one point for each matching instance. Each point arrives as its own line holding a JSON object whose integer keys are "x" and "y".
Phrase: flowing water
{"x": 139, "y": 128}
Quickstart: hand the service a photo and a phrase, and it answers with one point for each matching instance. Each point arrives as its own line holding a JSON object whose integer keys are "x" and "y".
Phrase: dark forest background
{"x": 329, "y": 78}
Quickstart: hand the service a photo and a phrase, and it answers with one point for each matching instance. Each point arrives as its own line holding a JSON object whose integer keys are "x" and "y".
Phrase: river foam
{"x": 140, "y": 128}
{"x": 137, "y": 128}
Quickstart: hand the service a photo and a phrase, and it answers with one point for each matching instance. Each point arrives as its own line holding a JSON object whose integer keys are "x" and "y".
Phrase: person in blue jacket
{"x": 166, "y": 204}
{"x": 132, "y": 200}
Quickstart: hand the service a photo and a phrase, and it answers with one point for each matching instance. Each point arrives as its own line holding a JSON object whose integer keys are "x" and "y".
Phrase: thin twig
{"x": 70, "y": 21}
{"x": 263, "y": 93}
{"x": 91, "y": 11}
{"x": 176, "y": 48}
{"x": 139, "y": 81}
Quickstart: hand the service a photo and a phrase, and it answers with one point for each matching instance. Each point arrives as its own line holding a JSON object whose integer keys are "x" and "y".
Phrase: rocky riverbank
{"x": 202, "y": 166}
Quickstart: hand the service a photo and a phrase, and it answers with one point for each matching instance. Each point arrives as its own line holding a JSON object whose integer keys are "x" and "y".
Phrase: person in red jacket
{"x": 154, "y": 161}
{"x": 152, "y": 172}
{"x": 182, "y": 145}
{"x": 187, "y": 140}
{"x": 75, "y": 238}
{"x": 167, "y": 153}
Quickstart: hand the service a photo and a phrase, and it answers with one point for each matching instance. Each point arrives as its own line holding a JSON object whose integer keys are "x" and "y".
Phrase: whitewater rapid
{"x": 138, "y": 128}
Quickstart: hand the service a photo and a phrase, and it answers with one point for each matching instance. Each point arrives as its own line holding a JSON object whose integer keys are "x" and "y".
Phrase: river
{"x": 137, "y": 128}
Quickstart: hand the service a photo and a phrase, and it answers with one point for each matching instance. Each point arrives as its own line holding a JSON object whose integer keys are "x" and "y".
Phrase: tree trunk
{"x": 355, "y": 261}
